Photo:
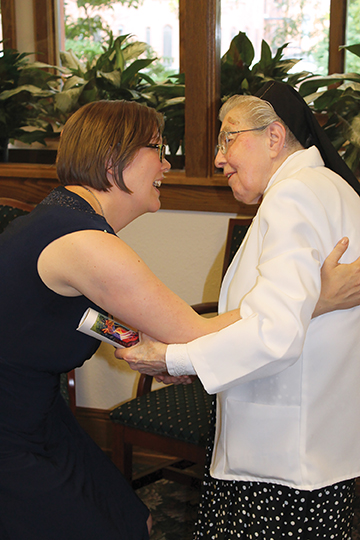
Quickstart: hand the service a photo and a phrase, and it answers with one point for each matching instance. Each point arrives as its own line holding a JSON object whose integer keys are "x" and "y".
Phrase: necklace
{"x": 96, "y": 199}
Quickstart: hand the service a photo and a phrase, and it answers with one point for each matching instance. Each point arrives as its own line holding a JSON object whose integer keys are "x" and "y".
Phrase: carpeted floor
{"x": 174, "y": 508}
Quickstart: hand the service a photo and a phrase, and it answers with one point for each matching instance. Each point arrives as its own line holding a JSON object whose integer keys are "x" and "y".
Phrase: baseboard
{"x": 97, "y": 423}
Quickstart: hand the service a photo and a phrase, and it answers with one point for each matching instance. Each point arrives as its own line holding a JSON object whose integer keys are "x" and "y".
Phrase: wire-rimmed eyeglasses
{"x": 224, "y": 140}
{"x": 160, "y": 148}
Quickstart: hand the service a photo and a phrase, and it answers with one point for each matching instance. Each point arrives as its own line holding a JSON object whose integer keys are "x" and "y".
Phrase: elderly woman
{"x": 286, "y": 448}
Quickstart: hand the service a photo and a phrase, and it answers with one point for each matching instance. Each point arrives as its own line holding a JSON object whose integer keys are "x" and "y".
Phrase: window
{"x": 148, "y": 35}
{"x": 87, "y": 26}
{"x": 304, "y": 25}
{"x": 198, "y": 187}
{"x": 167, "y": 46}
{"x": 352, "y": 62}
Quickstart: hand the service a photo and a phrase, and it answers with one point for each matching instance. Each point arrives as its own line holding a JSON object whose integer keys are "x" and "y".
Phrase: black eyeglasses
{"x": 160, "y": 148}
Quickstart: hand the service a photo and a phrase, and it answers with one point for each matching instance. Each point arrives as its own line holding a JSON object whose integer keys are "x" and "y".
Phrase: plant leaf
{"x": 134, "y": 69}
{"x": 71, "y": 61}
{"x": 241, "y": 51}
{"x": 114, "y": 77}
{"x": 134, "y": 50}
{"x": 355, "y": 49}
{"x": 67, "y": 101}
{"x": 33, "y": 90}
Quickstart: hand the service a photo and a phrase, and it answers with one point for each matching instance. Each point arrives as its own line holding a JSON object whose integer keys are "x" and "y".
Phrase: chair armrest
{"x": 206, "y": 307}
{"x": 144, "y": 385}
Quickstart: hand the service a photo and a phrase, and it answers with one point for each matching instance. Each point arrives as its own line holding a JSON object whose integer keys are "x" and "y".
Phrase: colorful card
{"x": 100, "y": 326}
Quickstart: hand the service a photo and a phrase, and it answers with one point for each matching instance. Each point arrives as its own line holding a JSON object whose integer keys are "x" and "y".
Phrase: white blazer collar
{"x": 294, "y": 163}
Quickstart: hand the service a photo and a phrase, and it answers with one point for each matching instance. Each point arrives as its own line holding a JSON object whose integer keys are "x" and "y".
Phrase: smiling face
{"x": 143, "y": 177}
{"x": 247, "y": 162}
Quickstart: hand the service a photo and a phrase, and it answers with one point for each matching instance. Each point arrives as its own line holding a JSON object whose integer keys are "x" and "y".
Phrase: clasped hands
{"x": 340, "y": 289}
{"x": 148, "y": 357}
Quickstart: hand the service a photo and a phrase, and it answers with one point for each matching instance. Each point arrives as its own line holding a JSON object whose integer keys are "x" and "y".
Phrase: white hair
{"x": 257, "y": 112}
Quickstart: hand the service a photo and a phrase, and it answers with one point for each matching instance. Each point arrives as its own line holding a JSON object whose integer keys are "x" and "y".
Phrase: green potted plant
{"x": 337, "y": 98}
{"x": 169, "y": 98}
{"x": 115, "y": 73}
{"x": 26, "y": 90}
{"x": 121, "y": 71}
{"x": 240, "y": 76}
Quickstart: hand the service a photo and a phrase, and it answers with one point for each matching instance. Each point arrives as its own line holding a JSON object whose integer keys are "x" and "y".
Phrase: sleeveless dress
{"x": 55, "y": 482}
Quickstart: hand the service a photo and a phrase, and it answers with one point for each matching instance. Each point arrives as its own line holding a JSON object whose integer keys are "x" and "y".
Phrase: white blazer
{"x": 288, "y": 405}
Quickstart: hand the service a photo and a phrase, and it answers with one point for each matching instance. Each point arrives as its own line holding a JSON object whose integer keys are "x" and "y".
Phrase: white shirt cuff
{"x": 178, "y": 361}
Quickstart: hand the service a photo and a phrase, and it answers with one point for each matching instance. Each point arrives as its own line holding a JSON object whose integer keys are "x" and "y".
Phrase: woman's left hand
{"x": 169, "y": 379}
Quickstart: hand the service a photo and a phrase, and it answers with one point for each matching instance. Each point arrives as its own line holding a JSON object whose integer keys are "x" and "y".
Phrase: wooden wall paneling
{"x": 337, "y": 35}
{"x": 203, "y": 199}
{"x": 30, "y": 182}
{"x": 182, "y": 8}
{"x": 8, "y": 23}
{"x": 202, "y": 97}
{"x": 27, "y": 182}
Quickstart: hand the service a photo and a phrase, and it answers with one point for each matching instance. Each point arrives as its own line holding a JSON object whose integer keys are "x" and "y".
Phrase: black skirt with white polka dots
{"x": 251, "y": 510}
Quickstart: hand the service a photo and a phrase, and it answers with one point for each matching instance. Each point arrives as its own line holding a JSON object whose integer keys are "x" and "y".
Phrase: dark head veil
{"x": 297, "y": 115}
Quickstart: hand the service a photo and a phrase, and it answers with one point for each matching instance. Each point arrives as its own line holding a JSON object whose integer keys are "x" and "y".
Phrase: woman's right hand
{"x": 340, "y": 283}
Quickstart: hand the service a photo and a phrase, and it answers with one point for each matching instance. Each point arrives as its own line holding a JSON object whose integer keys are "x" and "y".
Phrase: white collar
{"x": 296, "y": 162}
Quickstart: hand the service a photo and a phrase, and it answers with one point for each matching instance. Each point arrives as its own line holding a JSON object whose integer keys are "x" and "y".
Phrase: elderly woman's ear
{"x": 277, "y": 136}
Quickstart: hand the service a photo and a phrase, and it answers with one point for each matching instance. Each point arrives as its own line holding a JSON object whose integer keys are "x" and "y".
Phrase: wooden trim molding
{"x": 45, "y": 34}
{"x": 337, "y": 35}
{"x": 31, "y": 182}
{"x": 8, "y": 23}
{"x": 27, "y": 182}
{"x": 202, "y": 88}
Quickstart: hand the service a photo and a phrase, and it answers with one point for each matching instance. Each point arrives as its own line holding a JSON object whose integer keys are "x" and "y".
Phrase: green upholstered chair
{"x": 9, "y": 210}
{"x": 173, "y": 420}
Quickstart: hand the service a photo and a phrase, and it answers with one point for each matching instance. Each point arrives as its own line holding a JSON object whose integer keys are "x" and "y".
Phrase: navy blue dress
{"x": 55, "y": 483}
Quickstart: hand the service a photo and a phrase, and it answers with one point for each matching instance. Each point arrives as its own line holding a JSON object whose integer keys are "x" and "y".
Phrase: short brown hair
{"x": 103, "y": 133}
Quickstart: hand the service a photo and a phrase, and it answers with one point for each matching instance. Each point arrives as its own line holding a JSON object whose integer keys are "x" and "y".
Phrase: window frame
{"x": 198, "y": 187}
{"x": 8, "y": 23}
